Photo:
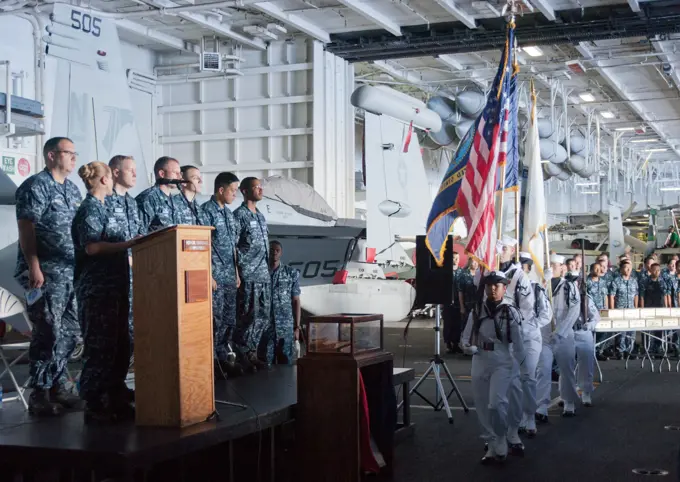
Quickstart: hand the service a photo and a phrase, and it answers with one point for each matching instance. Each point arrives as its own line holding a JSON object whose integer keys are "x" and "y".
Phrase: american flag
{"x": 511, "y": 180}
{"x": 470, "y": 181}
{"x": 476, "y": 200}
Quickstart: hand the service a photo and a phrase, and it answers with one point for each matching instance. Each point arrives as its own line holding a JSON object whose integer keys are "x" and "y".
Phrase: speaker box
{"x": 434, "y": 284}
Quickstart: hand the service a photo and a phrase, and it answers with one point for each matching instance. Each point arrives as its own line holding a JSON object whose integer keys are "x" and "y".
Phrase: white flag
{"x": 534, "y": 208}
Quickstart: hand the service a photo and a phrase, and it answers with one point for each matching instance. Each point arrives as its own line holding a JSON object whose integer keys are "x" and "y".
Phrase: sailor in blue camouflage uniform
{"x": 156, "y": 205}
{"x": 124, "y": 209}
{"x": 598, "y": 290}
{"x": 102, "y": 281}
{"x": 254, "y": 296}
{"x": 623, "y": 293}
{"x": 451, "y": 313}
{"x": 654, "y": 293}
{"x": 225, "y": 276}
{"x": 45, "y": 206}
{"x": 286, "y": 308}
{"x": 672, "y": 283}
{"x": 186, "y": 208}
{"x": 468, "y": 292}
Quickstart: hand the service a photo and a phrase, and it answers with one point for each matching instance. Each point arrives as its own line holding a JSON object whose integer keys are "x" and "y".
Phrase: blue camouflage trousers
{"x": 55, "y": 329}
{"x": 224, "y": 319}
{"x": 104, "y": 316}
{"x": 254, "y": 318}
{"x": 131, "y": 326}
{"x": 283, "y": 342}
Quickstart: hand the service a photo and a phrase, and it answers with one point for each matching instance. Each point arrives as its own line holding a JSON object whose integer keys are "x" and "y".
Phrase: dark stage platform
{"x": 125, "y": 450}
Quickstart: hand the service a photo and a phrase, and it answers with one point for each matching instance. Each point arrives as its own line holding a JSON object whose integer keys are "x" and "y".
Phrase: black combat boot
{"x": 65, "y": 398}
{"x": 39, "y": 403}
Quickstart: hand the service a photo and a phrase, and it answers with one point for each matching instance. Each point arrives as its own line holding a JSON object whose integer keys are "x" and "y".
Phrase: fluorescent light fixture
{"x": 640, "y": 141}
{"x": 625, "y": 129}
{"x": 533, "y": 51}
{"x": 587, "y": 183}
{"x": 677, "y": 188}
{"x": 656, "y": 150}
{"x": 587, "y": 97}
{"x": 590, "y": 192}
{"x": 646, "y": 215}
{"x": 628, "y": 219}
{"x": 607, "y": 114}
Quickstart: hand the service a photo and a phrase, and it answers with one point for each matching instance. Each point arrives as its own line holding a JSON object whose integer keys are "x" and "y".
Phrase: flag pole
{"x": 500, "y": 213}
{"x": 515, "y": 71}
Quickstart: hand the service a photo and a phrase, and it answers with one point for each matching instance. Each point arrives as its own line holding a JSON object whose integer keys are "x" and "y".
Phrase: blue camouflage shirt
{"x": 124, "y": 209}
{"x": 50, "y": 206}
{"x": 188, "y": 212}
{"x": 94, "y": 223}
{"x": 598, "y": 292}
{"x": 672, "y": 285}
{"x": 224, "y": 239}
{"x": 456, "y": 275}
{"x": 654, "y": 292}
{"x": 624, "y": 292}
{"x": 285, "y": 285}
{"x": 252, "y": 245}
{"x": 156, "y": 210}
{"x": 466, "y": 286}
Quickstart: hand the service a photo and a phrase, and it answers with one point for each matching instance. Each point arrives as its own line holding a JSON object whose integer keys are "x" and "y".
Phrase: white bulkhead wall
{"x": 288, "y": 115}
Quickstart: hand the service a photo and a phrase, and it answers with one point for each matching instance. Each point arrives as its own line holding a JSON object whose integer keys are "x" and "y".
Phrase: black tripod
{"x": 436, "y": 364}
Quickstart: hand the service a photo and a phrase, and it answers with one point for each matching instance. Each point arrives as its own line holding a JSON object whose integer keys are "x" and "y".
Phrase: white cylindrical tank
{"x": 576, "y": 163}
{"x": 470, "y": 102}
{"x": 380, "y": 101}
{"x": 445, "y": 108}
{"x": 552, "y": 169}
{"x": 577, "y": 144}
{"x": 553, "y": 152}
{"x": 545, "y": 128}
{"x": 463, "y": 127}
{"x": 564, "y": 176}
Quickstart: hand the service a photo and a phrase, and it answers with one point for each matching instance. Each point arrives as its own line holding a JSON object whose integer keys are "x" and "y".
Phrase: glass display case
{"x": 344, "y": 334}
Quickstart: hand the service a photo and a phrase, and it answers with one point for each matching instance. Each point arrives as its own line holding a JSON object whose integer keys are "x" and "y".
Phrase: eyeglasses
{"x": 71, "y": 153}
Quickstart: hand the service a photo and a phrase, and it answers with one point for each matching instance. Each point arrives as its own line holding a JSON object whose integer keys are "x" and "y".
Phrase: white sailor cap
{"x": 507, "y": 241}
{"x": 557, "y": 258}
{"x": 496, "y": 277}
{"x": 525, "y": 255}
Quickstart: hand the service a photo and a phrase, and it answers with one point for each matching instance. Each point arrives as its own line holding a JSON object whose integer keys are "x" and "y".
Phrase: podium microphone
{"x": 176, "y": 182}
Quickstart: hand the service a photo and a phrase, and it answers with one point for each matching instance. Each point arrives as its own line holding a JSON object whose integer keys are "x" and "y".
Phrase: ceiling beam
{"x": 451, "y": 7}
{"x": 406, "y": 76}
{"x": 294, "y": 21}
{"x": 545, "y": 8}
{"x": 366, "y": 10}
{"x": 661, "y": 48}
{"x": 634, "y": 5}
{"x": 212, "y": 24}
{"x": 474, "y": 77}
{"x": 158, "y": 36}
{"x": 620, "y": 89}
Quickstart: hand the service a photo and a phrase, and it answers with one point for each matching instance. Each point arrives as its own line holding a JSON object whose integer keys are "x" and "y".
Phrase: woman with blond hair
{"x": 101, "y": 283}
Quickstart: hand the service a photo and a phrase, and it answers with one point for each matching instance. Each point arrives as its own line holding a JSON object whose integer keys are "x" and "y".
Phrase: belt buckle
{"x": 487, "y": 346}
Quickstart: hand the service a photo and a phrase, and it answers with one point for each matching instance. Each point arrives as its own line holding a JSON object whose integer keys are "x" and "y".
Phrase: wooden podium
{"x": 172, "y": 307}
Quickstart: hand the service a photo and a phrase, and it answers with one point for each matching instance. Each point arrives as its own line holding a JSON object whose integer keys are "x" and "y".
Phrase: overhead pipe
{"x": 136, "y": 13}
{"x": 198, "y": 77}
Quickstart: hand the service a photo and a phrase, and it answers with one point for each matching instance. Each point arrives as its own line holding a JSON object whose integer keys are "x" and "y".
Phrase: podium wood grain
{"x": 173, "y": 331}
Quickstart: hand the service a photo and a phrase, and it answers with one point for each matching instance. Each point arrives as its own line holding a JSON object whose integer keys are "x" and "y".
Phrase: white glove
{"x": 556, "y": 339}
{"x": 470, "y": 349}
{"x": 547, "y": 274}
